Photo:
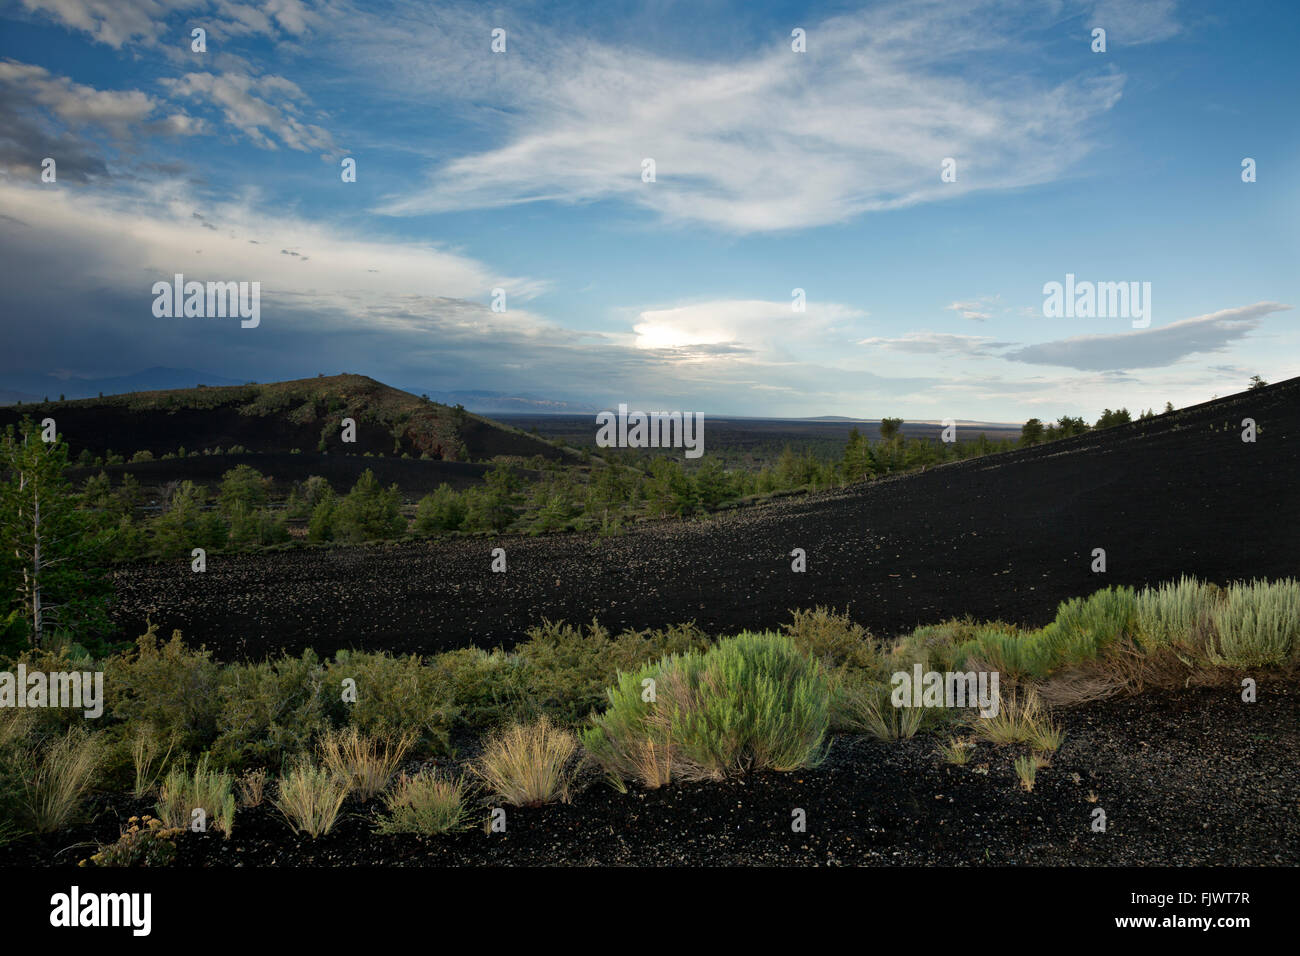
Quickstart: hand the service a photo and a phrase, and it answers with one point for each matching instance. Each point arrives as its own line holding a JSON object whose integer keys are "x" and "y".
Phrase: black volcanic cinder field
{"x": 1004, "y": 537}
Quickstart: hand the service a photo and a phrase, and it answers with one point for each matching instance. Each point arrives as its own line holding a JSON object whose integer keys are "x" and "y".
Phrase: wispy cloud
{"x": 1150, "y": 348}
{"x": 117, "y": 23}
{"x": 979, "y": 309}
{"x": 934, "y": 342}
{"x": 772, "y": 141}
{"x": 266, "y": 109}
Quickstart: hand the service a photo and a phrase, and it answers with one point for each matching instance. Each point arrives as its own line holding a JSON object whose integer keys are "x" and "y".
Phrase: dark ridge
{"x": 1006, "y": 536}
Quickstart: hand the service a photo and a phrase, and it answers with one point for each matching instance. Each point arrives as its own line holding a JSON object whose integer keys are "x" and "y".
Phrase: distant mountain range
{"x": 39, "y": 386}
{"x": 28, "y": 387}
{"x": 499, "y": 403}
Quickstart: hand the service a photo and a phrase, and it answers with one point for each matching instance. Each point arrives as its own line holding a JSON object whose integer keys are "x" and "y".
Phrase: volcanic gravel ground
{"x": 1188, "y": 778}
{"x": 1007, "y": 536}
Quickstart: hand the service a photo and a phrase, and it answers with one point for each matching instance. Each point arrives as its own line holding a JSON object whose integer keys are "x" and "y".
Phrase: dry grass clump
{"x": 875, "y": 713}
{"x": 957, "y": 750}
{"x": 211, "y": 791}
{"x": 528, "y": 765}
{"x": 425, "y": 804}
{"x": 1027, "y": 768}
{"x": 55, "y": 782}
{"x": 367, "y": 764}
{"x": 148, "y": 757}
{"x": 310, "y": 798}
{"x": 252, "y": 788}
{"x": 1020, "y": 719}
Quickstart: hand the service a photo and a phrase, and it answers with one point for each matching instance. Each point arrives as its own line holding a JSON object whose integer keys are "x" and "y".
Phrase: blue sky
{"x": 775, "y": 170}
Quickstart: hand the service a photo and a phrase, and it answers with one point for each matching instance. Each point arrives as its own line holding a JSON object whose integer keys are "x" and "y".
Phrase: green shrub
{"x": 851, "y": 658}
{"x": 270, "y": 711}
{"x": 441, "y": 511}
{"x": 751, "y": 702}
{"x": 566, "y": 668}
{"x": 833, "y": 640}
{"x": 1085, "y": 628}
{"x": 1258, "y": 625}
{"x": 170, "y": 686}
{"x": 1177, "y": 614}
{"x": 395, "y": 696}
{"x": 937, "y": 647}
{"x": 424, "y": 804}
{"x": 486, "y": 687}
{"x": 1007, "y": 651}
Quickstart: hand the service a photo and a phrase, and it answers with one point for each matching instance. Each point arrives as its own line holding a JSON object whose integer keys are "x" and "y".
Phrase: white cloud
{"x": 117, "y": 23}
{"x": 934, "y": 342}
{"x": 117, "y": 112}
{"x": 979, "y": 309}
{"x": 263, "y": 108}
{"x": 772, "y": 141}
{"x": 126, "y": 242}
{"x": 1153, "y": 347}
{"x": 755, "y": 328}
{"x": 1133, "y": 22}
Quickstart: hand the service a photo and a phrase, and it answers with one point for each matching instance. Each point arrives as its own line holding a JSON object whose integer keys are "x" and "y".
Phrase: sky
{"x": 920, "y": 170}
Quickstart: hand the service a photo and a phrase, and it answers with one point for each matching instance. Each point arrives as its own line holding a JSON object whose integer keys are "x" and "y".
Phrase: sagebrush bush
{"x": 1007, "y": 651}
{"x": 1177, "y": 614}
{"x": 626, "y": 740}
{"x": 751, "y": 702}
{"x": 851, "y": 658}
{"x": 1085, "y": 628}
{"x": 183, "y": 792}
{"x": 425, "y": 804}
{"x": 1257, "y": 625}
{"x": 936, "y": 647}
{"x": 833, "y": 640}
{"x": 528, "y": 765}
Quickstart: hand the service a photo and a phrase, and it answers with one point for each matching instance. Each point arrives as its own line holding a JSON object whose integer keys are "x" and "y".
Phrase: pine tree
{"x": 49, "y": 549}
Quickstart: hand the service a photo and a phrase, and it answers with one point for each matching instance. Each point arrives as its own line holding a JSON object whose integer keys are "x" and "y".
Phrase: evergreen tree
{"x": 50, "y": 548}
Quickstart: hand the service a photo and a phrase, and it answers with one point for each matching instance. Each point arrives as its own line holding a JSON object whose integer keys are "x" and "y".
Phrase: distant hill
{"x": 36, "y": 386}
{"x": 505, "y": 403}
{"x": 303, "y": 415}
